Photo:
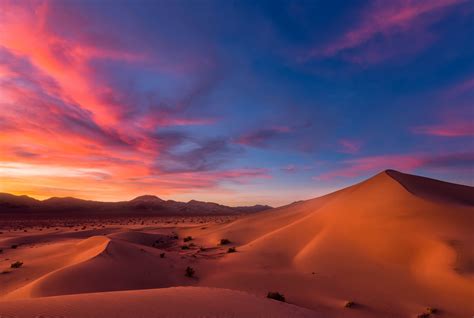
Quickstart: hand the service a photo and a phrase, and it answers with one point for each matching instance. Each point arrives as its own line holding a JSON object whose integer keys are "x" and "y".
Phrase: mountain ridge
{"x": 141, "y": 205}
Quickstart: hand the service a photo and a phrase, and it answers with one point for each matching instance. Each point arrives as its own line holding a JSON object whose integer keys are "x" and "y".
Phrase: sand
{"x": 394, "y": 244}
{"x": 166, "y": 302}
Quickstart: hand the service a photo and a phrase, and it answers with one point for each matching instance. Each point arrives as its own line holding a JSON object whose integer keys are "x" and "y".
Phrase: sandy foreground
{"x": 394, "y": 245}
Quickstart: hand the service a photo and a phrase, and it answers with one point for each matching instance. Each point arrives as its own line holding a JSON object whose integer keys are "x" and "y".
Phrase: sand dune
{"x": 375, "y": 243}
{"x": 168, "y": 302}
{"x": 394, "y": 244}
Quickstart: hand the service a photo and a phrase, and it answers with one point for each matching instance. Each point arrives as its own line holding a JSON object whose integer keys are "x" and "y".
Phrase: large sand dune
{"x": 394, "y": 244}
{"x": 392, "y": 250}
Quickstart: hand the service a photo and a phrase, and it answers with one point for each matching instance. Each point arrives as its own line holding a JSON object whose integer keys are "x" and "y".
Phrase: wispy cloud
{"x": 263, "y": 136}
{"x": 405, "y": 162}
{"x": 463, "y": 128}
{"x": 382, "y": 27}
{"x": 350, "y": 146}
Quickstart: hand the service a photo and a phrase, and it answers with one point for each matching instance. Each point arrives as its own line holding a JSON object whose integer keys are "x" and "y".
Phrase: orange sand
{"x": 394, "y": 244}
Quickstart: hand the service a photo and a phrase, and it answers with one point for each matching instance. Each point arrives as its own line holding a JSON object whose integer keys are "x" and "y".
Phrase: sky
{"x": 235, "y": 102}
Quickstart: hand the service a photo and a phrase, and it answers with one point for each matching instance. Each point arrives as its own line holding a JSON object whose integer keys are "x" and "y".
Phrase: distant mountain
{"x": 253, "y": 208}
{"x": 145, "y": 205}
{"x": 10, "y": 201}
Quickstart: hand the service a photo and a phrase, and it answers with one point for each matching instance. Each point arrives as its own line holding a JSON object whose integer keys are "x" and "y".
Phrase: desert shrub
{"x": 162, "y": 255}
{"x": 14, "y": 246}
{"x": 231, "y": 250}
{"x": 225, "y": 241}
{"x": 17, "y": 264}
{"x": 431, "y": 310}
{"x": 276, "y": 296}
{"x": 188, "y": 238}
{"x": 349, "y": 304}
{"x": 189, "y": 272}
{"x": 185, "y": 247}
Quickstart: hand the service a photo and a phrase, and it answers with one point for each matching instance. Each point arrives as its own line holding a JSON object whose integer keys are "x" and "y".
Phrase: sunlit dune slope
{"x": 395, "y": 243}
{"x": 120, "y": 262}
{"x": 168, "y": 302}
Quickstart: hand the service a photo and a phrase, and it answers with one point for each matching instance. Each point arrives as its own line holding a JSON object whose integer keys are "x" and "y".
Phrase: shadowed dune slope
{"x": 435, "y": 190}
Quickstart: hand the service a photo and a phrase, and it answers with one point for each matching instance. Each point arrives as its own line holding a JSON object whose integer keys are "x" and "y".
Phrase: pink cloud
{"x": 261, "y": 137}
{"x": 290, "y": 168}
{"x": 349, "y": 146}
{"x": 356, "y": 167}
{"x": 455, "y": 121}
{"x": 60, "y": 111}
{"x": 452, "y": 129}
{"x": 465, "y": 86}
{"x": 387, "y": 19}
{"x": 241, "y": 175}
{"x": 404, "y": 162}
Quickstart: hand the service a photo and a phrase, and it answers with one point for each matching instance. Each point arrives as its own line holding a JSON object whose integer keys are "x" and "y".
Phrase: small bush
{"x": 162, "y": 255}
{"x": 17, "y": 264}
{"x": 431, "y": 310}
{"x": 276, "y": 296}
{"x": 231, "y": 250}
{"x": 225, "y": 241}
{"x": 185, "y": 247}
{"x": 349, "y": 304}
{"x": 14, "y": 246}
{"x": 188, "y": 238}
{"x": 189, "y": 272}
